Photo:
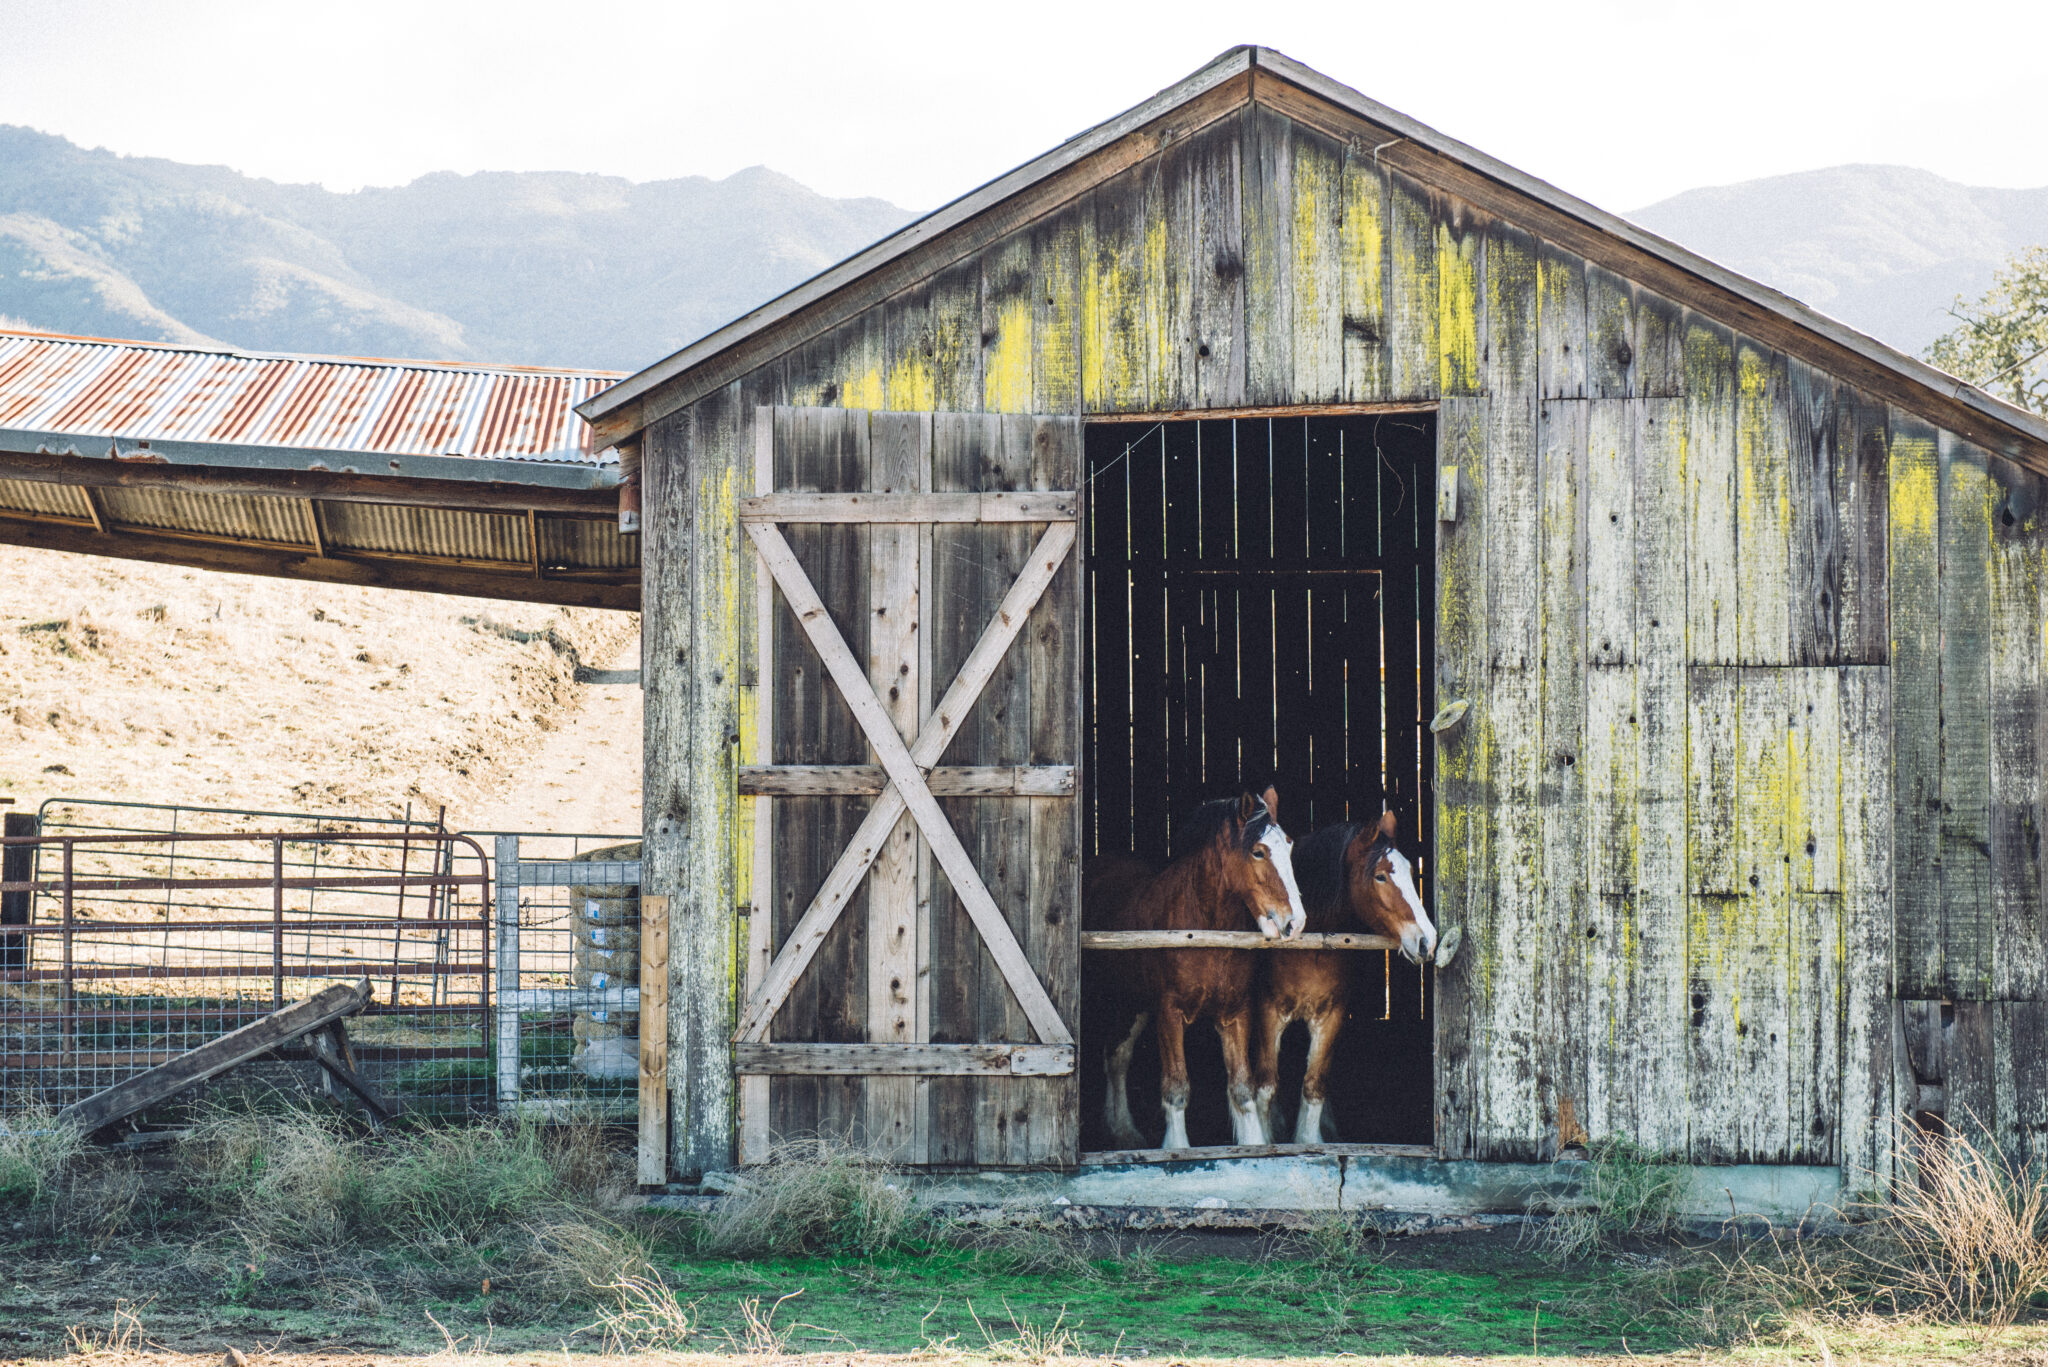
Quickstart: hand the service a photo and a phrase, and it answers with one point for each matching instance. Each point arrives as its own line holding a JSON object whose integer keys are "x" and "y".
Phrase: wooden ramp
{"x": 319, "y": 1017}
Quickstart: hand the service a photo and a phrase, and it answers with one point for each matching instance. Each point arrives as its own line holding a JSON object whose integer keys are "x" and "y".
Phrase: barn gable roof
{"x": 1254, "y": 74}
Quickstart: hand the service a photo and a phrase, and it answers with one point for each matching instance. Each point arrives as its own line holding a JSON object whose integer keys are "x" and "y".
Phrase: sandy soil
{"x": 156, "y": 684}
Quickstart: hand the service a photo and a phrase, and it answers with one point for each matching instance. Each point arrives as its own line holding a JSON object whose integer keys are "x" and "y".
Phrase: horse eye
{"x": 1379, "y": 878}
{"x": 1259, "y": 853}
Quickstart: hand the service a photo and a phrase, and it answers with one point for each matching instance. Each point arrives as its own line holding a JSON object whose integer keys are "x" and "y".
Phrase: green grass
{"x": 1208, "y": 1306}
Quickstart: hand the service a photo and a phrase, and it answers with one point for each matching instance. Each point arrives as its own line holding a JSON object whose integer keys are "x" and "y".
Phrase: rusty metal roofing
{"x": 88, "y": 387}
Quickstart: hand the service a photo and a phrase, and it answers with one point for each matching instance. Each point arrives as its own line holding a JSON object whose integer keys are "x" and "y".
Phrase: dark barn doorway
{"x": 1261, "y": 596}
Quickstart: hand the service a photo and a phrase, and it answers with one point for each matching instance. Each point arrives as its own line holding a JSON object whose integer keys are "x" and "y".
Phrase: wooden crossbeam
{"x": 907, "y": 789}
{"x": 1227, "y": 939}
{"x": 904, "y": 1060}
{"x": 868, "y": 780}
{"x": 1028, "y": 506}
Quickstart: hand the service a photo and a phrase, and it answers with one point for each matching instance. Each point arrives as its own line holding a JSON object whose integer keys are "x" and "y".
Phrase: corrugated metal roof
{"x": 142, "y": 391}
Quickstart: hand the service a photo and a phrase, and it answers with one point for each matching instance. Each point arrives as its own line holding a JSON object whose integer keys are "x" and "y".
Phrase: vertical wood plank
{"x": 1461, "y": 298}
{"x": 1269, "y": 256}
{"x": 1056, "y": 310}
{"x": 1170, "y": 379}
{"x": 1868, "y": 1111}
{"x": 1968, "y": 500}
{"x": 1763, "y": 531}
{"x": 1463, "y": 887}
{"x": 2019, "y": 540}
{"x": 951, "y": 341}
{"x": 1610, "y": 335}
{"x": 1814, "y": 742}
{"x": 1362, "y": 246}
{"x": 1113, "y": 342}
{"x": 1316, "y": 269}
{"x": 1008, "y": 327}
{"x": 721, "y": 453}
{"x": 1659, "y": 347}
{"x": 1216, "y": 278}
{"x": 756, "y": 1134}
{"x": 667, "y": 679}
{"x": 1814, "y": 590}
{"x": 1914, "y": 572}
{"x": 1053, "y": 939}
{"x": 1506, "y": 728}
{"x": 1561, "y": 323}
{"x": 1861, "y": 448}
{"x": 1759, "y": 946}
{"x": 898, "y": 457}
{"x": 1610, "y": 533}
{"x": 1412, "y": 292}
{"x": 1712, "y": 562}
{"x": 652, "y": 1164}
{"x": 1561, "y": 607}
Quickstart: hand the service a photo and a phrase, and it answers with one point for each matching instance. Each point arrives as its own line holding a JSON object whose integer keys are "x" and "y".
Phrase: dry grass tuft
{"x": 1027, "y": 1342}
{"x": 123, "y": 1339}
{"x": 814, "y": 1196}
{"x": 37, "y": 1155}
{"x": 641, "y": 1314}
{"x": 1625, "y": 1191}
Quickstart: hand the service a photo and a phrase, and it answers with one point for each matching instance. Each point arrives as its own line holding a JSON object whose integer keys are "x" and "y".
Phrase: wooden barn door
{"x": 912, "y": 962}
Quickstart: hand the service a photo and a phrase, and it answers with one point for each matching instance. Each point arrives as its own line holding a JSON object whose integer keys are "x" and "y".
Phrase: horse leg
{"x": 1323, "y": 1028}
{"x": 1235, "y": 1032}
{"x": 1173, "y": 1076}
{"x": 1116, "y": 1108}
{"x": 1272, "y": 1028}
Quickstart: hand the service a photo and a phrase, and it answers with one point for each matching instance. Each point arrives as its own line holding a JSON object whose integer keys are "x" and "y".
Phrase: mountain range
{"x": 559, "y": 268}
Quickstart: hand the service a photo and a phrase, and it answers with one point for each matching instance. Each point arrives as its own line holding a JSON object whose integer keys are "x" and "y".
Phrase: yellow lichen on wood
{"x": 1458, "y": 309}
{"x": 1006, "y": 362}
{"x": 1317, "y": 286}
{"x": 1361, "y": 252}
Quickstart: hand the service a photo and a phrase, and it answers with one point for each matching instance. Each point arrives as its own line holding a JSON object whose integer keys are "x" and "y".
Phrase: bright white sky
{"x": 1620, "y": 101}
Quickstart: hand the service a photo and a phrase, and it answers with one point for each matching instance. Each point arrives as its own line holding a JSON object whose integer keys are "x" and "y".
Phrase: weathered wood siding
{"x": 1754, "y": 659}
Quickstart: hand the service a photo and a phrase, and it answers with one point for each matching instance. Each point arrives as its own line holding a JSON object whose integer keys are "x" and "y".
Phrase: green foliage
{"x": 2000, "y": 343}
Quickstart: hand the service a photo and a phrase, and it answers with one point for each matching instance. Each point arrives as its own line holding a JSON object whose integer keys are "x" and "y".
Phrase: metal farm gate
{"x": 924, "y": 1009}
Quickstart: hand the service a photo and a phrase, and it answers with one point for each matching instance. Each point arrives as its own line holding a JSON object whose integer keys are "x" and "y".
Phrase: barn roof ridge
{"x": 630, "y": 406}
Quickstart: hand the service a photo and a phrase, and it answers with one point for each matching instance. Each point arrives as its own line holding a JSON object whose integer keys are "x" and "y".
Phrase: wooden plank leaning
{"x": 905, "y": 767}
{"x": 137, "y": 1094}
{"x": 653, "y": 1156}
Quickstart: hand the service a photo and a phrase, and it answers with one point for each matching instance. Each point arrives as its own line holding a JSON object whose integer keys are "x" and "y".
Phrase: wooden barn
{"x": 1241, "y": 439}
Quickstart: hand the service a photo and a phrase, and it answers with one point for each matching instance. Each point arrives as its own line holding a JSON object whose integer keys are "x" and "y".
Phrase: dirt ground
{"x": 149, "y": 683}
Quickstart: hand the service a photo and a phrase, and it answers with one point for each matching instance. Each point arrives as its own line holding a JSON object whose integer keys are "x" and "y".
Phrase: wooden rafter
{"x": 908, "y": 789}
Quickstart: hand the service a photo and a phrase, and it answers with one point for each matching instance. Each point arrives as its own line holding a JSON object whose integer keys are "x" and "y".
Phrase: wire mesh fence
{"x": 136, "y": 932}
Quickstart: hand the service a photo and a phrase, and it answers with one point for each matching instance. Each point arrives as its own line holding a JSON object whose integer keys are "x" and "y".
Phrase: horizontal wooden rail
{"x": 866, "y": 780}
{"x": 1036, "y": 506}
{"x": 920, "y": 1060}
{"x": 1226, "y": 939}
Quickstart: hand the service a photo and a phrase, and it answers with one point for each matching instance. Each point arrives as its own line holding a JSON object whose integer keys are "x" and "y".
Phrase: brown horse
{"x": 1352, "y": 879}
{"x": 1235, "y": 872}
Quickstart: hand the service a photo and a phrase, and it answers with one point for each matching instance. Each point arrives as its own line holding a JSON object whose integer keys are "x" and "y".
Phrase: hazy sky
{"x": 1622, "y": 103}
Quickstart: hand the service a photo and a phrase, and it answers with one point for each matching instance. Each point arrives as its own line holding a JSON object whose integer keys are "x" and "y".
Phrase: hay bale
{"x": 605, "y": 922}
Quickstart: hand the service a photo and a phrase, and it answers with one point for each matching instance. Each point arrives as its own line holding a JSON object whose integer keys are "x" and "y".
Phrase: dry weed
{"x": 813, "y": 1196}
{"x": 760, "y": 1337}
{"x": 643, "y": 1314}
{"x": 1027, "y": 1342}
{"x": 123, "y": 1340}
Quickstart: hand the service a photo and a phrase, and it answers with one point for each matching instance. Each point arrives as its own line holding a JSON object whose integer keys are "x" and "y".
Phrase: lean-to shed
{"x": 1234, "y": 439}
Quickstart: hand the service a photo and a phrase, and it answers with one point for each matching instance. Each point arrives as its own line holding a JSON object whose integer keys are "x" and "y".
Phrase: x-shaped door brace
{"x": 906, "y": 766}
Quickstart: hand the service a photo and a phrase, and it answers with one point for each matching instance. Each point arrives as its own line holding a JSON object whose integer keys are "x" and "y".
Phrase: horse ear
{"x": 1246, "y": 805}
{"x": 1388, "y": 824}
{"x": 1273, "y": 805}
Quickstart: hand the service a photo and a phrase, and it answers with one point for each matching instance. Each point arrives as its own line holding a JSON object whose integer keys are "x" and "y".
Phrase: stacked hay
{"x": 606, "y": 918}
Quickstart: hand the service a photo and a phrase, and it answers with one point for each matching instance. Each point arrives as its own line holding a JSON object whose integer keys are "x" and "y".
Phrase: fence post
{"x": 17, "y": 865}
{"x": 507, "y": 859}
{"x": 653, "y": 1039}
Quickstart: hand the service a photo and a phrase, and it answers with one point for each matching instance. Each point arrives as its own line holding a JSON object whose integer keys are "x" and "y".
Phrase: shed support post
{"x": 505, "y": 860}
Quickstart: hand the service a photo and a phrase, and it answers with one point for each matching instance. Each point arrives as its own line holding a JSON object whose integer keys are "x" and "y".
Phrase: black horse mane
{"x": 1212, "y": 819}
{"x": 1319, "y": 864}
